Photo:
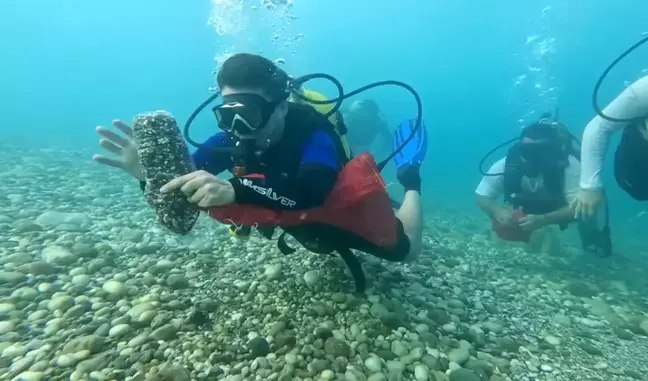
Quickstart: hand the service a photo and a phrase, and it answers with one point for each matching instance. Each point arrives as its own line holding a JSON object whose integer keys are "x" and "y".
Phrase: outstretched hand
{"x": 532, "y": 222}
{"x": 202, "y": 188}
{"x": 123, "y": 146}
{"x": 585, "y": 204}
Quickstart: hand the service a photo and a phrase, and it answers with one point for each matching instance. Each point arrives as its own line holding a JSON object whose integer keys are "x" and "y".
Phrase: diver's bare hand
{"x": 503, "y": 215}
{"x": 202, "y": 188}
{"x": 585, "y": 204}
{"x": 121, "y": 145}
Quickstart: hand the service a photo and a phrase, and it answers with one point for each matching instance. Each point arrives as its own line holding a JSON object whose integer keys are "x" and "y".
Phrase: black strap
{"x": 282, "y": 245}
{"x": 355, "y": 267}
{"x": 341, "y": 126}
{"x": 347, "y": 255}
{"x": 605, "y": 239}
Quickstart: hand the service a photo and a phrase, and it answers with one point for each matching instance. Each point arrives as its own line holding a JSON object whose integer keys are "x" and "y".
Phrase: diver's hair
{"x": 539, "y": 130}
{"x": 251, "y": 71}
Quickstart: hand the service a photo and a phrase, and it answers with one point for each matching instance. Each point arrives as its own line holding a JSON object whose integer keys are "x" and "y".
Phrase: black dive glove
{"x": 409, "y": 177}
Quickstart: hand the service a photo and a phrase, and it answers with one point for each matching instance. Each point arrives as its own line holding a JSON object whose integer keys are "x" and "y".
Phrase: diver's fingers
{"x": 195, "y": 184}
{"x": 589, "y": 210}
{"x": 123, "y": 127}
{"x": 111, "y": 135}
{"x": 109, "y": 162}
{"x": 572, "y": 205}
{"x": 178, "y": 182}
{"x": 108, "y": 145}
{"x": 577, "y": 210}
{"x": 199, "y": 197}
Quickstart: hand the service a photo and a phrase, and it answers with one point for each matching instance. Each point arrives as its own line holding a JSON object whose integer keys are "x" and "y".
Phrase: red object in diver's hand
{"x": 511, "y": 231}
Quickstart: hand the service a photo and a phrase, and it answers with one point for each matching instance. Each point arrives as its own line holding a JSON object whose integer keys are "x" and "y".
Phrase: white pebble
{"x": 60, "y": 303}
{"x": 14, "y": 351}
{"x": 399, "y": 348}
{"x": 98, "y": 376}
{"x": 65, "y": 361}
{"x": 327, "y": 375}
{"x": 7, "y": 307}
{"x": 453, "y": 366}
{"x": 29, "y": 376}
{"x": 113, "y": 287}
{"x": 291, "y": 358}
{"x": 6, "y": 327}
{"x": 164, "y": 264}
{"x": 58, "y": 255}
{"x": 273, "y": 272}
{"x": 546, "y": 368}
{"x": 553, "y": 340}
{"x": 81, "y": 280}
{"x": 421, "y": 373}
{"x": 119, "y": 330}
{"x": 21, "y": 364}
{"x": 311, "y": 278}
{"x": 373, "y": 364}
{"x": 44, "y": 288}
{"x": 77, "y": 271}
{"x": 449, "y": 328}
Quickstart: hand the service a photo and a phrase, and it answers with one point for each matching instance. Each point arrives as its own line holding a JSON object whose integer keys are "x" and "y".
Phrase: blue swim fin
{"x": 415, "y": 150}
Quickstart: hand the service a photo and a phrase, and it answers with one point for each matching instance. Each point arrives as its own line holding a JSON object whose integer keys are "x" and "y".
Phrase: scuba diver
{"x": 628, "y": 113}
{"x": 291, "y": 171}
{"x": 363, "y": 116}
{"x": 366, "y": 124}
{"x": 538, "y": 179}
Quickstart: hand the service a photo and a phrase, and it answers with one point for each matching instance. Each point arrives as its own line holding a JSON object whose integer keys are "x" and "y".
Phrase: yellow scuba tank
{"x": 335, "y": 118}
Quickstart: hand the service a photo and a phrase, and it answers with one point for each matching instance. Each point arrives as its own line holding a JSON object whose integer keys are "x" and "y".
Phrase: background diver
{"x": 302, "y": 159}
{"x": 359, "y": 124}
{"x": 538, "y": 179}
{"x": 366, "y": 125}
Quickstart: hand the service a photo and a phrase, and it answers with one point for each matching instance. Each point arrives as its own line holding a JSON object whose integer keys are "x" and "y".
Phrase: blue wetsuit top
{"x": 315, "y": 178}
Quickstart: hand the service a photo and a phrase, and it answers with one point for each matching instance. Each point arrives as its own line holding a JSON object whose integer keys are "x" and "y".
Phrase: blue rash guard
{"x": 315, "y": 178}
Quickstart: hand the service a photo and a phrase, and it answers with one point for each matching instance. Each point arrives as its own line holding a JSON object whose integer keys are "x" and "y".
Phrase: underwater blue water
{"x": 67, "y": 66}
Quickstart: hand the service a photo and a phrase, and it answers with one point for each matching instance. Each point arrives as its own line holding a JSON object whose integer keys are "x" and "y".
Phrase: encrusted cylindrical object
{"x": 164, "y": 155}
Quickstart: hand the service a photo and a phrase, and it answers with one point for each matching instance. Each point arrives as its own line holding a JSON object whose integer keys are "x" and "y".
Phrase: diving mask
{"x": 244, "y": 114}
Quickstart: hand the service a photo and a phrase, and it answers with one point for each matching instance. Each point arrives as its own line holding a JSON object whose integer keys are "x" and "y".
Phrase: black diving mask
{"x": 536, "y": 151}
{"x": 244, "y": 114}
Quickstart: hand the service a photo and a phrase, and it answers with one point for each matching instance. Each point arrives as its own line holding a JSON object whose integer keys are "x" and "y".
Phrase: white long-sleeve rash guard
{"x": 631, "y": 103}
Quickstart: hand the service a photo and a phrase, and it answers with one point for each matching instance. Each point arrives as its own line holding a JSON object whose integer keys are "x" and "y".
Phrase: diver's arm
{"x": 205, "y": 158}
{"x": 490, "y": 188}
{"x": 487, "y": 205}
{"x": 632, "y": 102}
{"x": 560, "y": 216}
{"x": 315, "y": 179}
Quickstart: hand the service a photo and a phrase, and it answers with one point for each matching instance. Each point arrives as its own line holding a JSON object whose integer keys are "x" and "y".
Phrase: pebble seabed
{"x": 91, "y": 288}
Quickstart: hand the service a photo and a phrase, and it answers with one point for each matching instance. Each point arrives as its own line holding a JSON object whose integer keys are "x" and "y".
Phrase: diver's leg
{"x": 411, "y": 213}
{"x": 595, "y": 240}
{"x": 411, "y": 216}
